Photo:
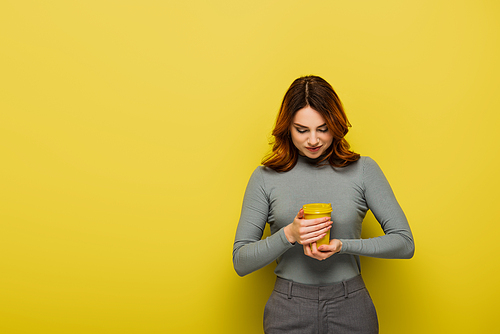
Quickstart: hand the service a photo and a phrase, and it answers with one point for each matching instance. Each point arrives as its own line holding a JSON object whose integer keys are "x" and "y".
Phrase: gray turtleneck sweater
{"x": 275, "y": 198}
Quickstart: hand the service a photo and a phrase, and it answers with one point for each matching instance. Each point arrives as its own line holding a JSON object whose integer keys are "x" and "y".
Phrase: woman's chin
{"x": 311, "y": 155}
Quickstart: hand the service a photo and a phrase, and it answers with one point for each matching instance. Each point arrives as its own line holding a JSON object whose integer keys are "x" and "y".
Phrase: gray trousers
{"x": 341, "y": 308}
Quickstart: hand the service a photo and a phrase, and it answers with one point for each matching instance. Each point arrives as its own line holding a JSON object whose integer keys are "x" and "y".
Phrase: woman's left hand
{"x": 324, "y": 251}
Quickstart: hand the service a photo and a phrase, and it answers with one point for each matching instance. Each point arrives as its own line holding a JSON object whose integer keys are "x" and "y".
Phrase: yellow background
{"x": 129, "y": 129}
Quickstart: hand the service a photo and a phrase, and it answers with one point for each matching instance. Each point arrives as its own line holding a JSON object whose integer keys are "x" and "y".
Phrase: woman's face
{"x": 310, "y": 134}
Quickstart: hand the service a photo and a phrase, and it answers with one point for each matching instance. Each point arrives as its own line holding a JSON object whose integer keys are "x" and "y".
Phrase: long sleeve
{"x": 397, "y": 243}
{"x": 249, "y": 251}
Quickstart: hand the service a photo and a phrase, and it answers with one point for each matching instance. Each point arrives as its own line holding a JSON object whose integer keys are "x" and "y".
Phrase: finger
{"x": 307, "y": 249}
{"x": 308, "y": 236}
{"x": 314, "y": 247}
{"x": 307, "y": 252}
{"x": 306, "y": 227}
{"x": 322, "y": 220}
{"x": 308, "y": 239}
{"x": 300, "y": 215}
{"x": 315, "y": 253}
{"x": 315, "y": 221}
{"x": 325, "y": 248}
{"x": 334, "y": 246}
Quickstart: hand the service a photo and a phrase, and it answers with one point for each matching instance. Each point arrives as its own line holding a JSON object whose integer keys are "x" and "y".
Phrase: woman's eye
{"x": 300, "y": 131}
{"x": 323, "y": 130}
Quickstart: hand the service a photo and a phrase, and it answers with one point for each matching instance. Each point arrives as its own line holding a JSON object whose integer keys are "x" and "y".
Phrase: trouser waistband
{"x": 319, "y": 292}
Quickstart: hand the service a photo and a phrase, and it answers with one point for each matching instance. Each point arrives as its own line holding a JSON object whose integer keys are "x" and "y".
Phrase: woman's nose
{"x": 313, "y": 140}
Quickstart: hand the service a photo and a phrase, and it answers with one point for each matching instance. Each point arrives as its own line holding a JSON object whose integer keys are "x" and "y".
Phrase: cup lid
{"x": 317, "y": 208}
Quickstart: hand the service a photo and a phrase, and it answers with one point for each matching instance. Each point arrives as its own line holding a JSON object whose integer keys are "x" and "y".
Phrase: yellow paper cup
{"x": 318, "y": 210}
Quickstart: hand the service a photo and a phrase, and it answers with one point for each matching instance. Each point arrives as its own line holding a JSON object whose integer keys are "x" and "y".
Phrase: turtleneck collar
{"x": 310, "y": 161}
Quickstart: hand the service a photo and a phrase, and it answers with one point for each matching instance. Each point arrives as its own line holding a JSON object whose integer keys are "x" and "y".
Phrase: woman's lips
{"x": 314, "y": 149}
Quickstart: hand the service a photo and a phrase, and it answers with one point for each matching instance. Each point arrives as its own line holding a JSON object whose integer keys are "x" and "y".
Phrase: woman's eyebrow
{"x": 303, "y": 126}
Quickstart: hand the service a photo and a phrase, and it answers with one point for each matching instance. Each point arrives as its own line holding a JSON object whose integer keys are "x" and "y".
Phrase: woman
{"x": 318, "y": 289}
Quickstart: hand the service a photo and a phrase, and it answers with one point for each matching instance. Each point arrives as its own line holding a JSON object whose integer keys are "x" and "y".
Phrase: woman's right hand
{"x": 307, "y": 231}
